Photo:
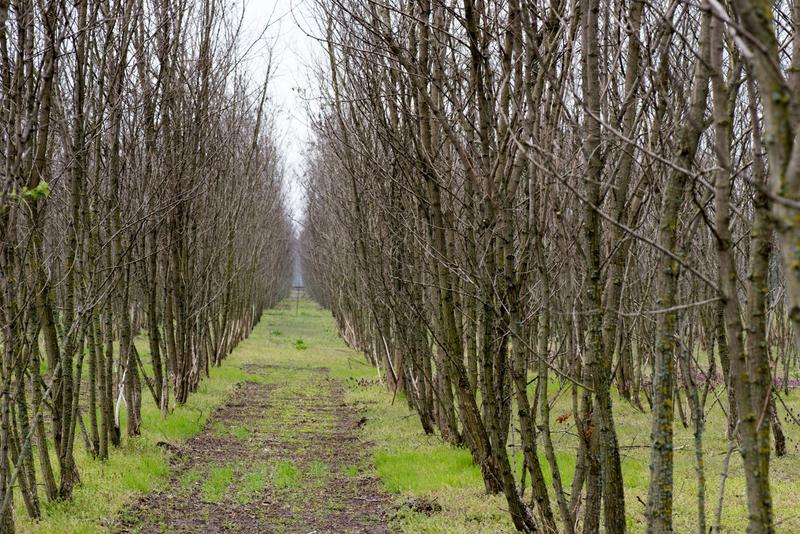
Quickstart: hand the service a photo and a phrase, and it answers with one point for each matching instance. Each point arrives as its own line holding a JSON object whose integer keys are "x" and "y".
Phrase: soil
{"x": 297, "y": 440}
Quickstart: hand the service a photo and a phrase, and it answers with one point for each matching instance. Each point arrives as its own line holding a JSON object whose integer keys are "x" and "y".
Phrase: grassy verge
{"x": 139, "y": 465}
{"x": 410, "y": 464}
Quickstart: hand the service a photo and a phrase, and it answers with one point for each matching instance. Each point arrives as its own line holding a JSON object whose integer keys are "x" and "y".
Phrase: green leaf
{"x": 40, "y": 191}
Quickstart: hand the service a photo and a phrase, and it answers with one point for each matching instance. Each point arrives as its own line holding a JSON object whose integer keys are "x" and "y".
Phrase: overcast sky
{"x": 286, "y": 23}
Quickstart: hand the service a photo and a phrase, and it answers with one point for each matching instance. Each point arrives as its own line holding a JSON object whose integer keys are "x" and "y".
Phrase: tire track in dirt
{"x": 281, "y": 457}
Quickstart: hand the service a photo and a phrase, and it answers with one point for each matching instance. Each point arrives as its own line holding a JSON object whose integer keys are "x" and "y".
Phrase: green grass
{"x": 319, "y": 471}
{"x": 351, "y": 471}
{"x": 252, "y": 483}
{"x": 228, "y": 429}
{"x": 423, "y": 471}
{"x": 216, "y": 484}
{"x": 188, "y": 479}
{"x": 409, "y": 463}
{"x": 139, "y": 465}
{"x": 286, "y": 475}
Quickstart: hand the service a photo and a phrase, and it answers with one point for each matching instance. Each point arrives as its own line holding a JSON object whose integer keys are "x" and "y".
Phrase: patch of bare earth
{"x": 290, "y": 460}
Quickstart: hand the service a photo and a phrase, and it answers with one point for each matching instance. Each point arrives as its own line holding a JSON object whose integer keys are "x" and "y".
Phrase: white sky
{"x": 293, "y": 52}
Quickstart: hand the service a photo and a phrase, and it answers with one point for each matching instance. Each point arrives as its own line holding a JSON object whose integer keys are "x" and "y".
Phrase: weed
{"x": 319, "y": 470}
{"x": 351, "y": 471}
{"x": 216, "y": 484}
{"x": 229, "y": 524}
{"x": 189, "y": 478}
{"x": 237, "y": 431}
{"x": 252, "y": 483}
{"x": 286, "y": 475}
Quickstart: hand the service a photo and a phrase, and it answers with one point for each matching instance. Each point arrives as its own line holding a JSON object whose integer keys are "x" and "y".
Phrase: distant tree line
{"x": 604, "y": 194}
{"x": 140, "y": 194}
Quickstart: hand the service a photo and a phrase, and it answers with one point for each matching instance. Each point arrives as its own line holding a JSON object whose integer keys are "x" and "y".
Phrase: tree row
{"x": 515, "y": 203}
{"x": 142, "y": 223}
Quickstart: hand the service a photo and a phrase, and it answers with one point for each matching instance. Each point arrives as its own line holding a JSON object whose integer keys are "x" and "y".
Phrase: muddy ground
{"x": 275, "y": 457}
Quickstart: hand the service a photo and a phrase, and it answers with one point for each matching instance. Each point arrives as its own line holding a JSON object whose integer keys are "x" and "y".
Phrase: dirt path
{"x": 276, "y": 457}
